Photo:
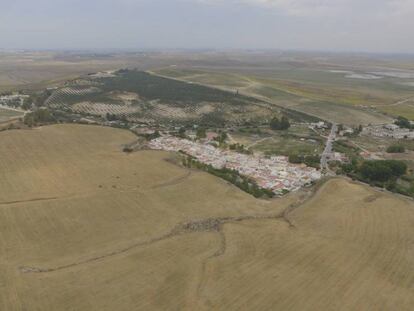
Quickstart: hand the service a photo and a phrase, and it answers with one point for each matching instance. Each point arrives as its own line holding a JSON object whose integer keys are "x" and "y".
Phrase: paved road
{"x": 328, "y": 148}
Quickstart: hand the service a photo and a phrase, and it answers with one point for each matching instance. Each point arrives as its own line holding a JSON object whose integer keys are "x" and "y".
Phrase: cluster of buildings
{"x": 389, "y": 130}
{"x": 319, "y": 125}
{"x": 275, "y": 173}
{"x": 14, "y": 100}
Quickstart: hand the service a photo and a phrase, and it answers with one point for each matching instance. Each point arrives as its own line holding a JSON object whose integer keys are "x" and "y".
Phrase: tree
{"x": 376, "y": 171}
{"x": 295, "y": 158}
{"x": 27, "y": 104}
{"x": 40, "y": 98}
{"x": 111, "y": 117}
{"x": 181, "y": 132}
{"x": 396, "y": 149}
{"x": 275, "y": 123}
{"x": 29, "y": 120}
{"x": 221, "y": 138}
{"x": 403, "y": 122}
{"x": 347, "y": 168}
{"x": 201, "y": 133}
{"x": 282, "y": 124}
{"x": 41, "y": 115}
{"x": 382, "y": 170}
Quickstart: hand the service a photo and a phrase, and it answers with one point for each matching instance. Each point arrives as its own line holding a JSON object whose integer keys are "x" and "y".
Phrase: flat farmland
{"x": 341, "y": 113}
{"x": 84, "y": 226}
{"x": 351, "y": 101}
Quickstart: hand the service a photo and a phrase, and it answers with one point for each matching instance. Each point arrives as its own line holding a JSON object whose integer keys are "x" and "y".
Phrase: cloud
{"x": 348, "y": 25}
{"x": 318, "y": 8}
{"x": 290, "y": 7}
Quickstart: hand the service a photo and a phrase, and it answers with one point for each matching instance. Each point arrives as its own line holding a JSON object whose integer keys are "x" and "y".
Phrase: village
{"x": 274, "y": 173}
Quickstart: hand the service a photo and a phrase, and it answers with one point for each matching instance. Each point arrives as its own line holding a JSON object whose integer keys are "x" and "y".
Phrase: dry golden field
{"x": 84, "y": 226}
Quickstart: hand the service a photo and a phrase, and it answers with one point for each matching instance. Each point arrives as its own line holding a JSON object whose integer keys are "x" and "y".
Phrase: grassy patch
{"x": 285, "y": 144}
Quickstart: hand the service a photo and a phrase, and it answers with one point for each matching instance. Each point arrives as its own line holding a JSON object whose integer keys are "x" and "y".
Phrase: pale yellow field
{"x": 84, "y": 226}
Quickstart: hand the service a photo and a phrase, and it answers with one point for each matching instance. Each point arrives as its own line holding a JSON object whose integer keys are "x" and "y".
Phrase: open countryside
{"x": 207, "y": 155}
{"x": 137, "y": 219}
{"x": 126, "y": 189}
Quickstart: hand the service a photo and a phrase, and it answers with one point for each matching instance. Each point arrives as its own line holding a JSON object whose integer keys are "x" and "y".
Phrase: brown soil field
{"x": 84, "y": 226}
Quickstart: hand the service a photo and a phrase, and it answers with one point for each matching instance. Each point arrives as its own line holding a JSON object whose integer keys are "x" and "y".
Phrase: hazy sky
{"x": 348, "y": 25}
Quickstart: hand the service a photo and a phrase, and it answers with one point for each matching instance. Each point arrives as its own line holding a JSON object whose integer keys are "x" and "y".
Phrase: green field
{"x": 286, "y": 145}
{"x": 296, "y": 140}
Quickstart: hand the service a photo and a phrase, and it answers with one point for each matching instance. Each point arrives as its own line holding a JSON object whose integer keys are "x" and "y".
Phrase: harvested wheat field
{"x": 84, "y": 226}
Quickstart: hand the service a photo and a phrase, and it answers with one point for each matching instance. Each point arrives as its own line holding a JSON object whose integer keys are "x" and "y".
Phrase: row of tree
{"x": 396, "y": 149}
{"x": 376, "y": 171}
{"x": 309, "y": 160}
{"x": 232, "y": 176}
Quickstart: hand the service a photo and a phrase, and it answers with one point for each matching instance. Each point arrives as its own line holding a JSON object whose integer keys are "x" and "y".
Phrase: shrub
{"x": 403, "y": 122}
{"x": 396, "y": 149}
{"x": 41, "y": 115}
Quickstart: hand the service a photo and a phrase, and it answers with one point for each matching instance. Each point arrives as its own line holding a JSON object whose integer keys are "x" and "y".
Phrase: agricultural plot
{"x": 85, "y": 226}
{"x": 287, "y": 145}
{"x": 401, "y": 108}
{"x": 101, "y": 109}
{"x": 140, "y": 95}
{"x": 342, "y": 113}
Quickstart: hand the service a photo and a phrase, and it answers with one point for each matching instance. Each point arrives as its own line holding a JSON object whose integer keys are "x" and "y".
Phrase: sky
{"x": 380, "y": 26}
